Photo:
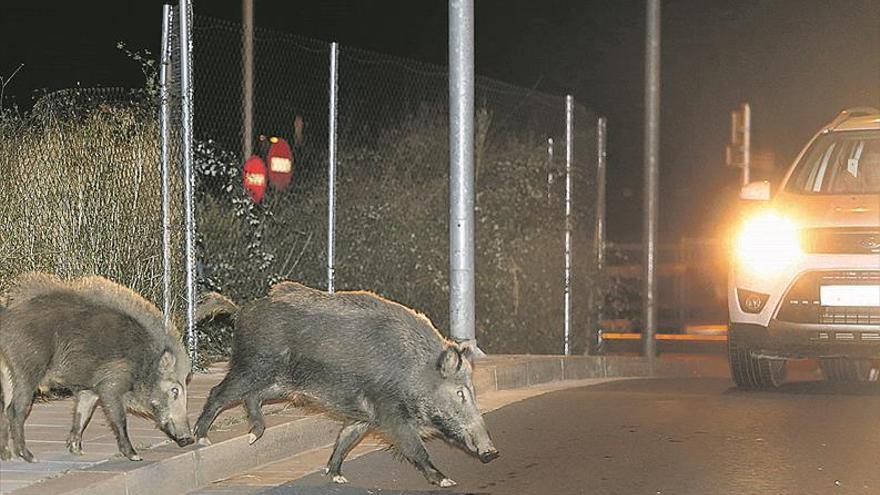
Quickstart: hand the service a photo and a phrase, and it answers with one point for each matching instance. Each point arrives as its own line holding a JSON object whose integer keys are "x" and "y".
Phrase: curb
{"x": 168, "y": 470}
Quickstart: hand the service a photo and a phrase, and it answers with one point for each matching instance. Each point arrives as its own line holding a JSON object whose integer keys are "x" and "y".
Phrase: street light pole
{"x": 461, "y": 171}
{"x": 652, "y": 152}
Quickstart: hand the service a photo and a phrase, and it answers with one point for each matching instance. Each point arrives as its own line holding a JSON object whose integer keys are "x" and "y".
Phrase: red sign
{"x": 280, "y": 161}
{"x": 254, "y": 175}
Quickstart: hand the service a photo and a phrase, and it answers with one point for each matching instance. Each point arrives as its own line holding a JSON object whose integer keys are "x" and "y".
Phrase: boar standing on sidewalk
{"x": 98, "y": 339}
{"x": 375, "y": 363}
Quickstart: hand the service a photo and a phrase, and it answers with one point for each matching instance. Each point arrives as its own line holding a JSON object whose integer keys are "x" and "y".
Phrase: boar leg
{"x": 86, "y": 402}
{"x": 409, "y": 445}
{"x": 350, "y": 435}
{"x": 16, "y": 414}
{"x": 115, "y": 411}
{"x": 5, "y": 400}
{"x": 5, "y": 451}
{"x": 253, "y": 404}
{"x": 231, "y": 389}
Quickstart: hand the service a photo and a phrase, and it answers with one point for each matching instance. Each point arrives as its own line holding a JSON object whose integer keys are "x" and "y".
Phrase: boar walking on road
{"x": 375, "y": 363}
{"x": 101, "y": 341}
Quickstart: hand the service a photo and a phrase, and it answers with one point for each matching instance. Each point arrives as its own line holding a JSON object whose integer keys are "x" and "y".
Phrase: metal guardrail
{"x": 667, "y": 336}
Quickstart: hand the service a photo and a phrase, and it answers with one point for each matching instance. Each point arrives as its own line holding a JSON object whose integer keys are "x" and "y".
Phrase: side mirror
{"x": 755, "y": 191}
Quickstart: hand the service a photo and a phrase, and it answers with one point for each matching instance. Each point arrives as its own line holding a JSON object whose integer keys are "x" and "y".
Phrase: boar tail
{"x": 212, "y": 305}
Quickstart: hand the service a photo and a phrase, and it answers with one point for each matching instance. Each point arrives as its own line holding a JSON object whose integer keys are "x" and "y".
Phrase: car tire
{"x": 845, "y": 370}
{"x": 753, "y": 373}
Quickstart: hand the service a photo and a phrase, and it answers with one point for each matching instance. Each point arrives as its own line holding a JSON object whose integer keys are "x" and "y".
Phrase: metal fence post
{"x": 331, "y": 198}
{"x": 549, "y": 169}
{"x": 569, "y": 148}
{"x": 597, "y": 293}
{"x": 185, "y": 15}
{"x": 247, "y": 78}
{"x": 461, "y": 171}
{"x": 652, "y": 152}
{"x": 164, "y": 137}
{"x": 601, "y": 160}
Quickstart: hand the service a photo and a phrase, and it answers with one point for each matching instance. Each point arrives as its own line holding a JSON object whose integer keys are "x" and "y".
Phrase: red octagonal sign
{"x": 280, "y": 163}
{"x": 255, "y": 178}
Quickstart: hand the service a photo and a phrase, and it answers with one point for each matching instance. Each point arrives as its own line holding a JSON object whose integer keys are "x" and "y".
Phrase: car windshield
{"x": 842, "y": 162}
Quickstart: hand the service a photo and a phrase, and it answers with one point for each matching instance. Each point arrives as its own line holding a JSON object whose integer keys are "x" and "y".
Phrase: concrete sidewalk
{"x": 168, "y": 469}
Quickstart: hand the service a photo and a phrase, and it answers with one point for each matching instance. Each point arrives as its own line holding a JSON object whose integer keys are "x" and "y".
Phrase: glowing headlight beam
{"x": 768, "y": 243}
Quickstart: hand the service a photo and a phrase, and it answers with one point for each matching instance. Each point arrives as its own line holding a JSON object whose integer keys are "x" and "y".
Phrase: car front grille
{"x": 845, "y": 240}
{"x": 849, "y": 315}
{"x": 801, "y": 304}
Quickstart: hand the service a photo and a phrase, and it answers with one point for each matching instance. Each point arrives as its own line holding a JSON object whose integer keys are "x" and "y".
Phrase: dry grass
{"x": 80, "y": 192}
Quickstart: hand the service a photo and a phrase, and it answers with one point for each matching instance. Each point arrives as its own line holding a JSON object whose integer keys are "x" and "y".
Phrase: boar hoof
{"x": 135, "y": 457}
{"x": 252, "y": 438}
{"x": 204, "y": 442}
{"x": 446, "y": 483}
{"x": 27, "y": 455}
{"x": 340, "y": 479}
{"x": 75, "y": 447}
{"x": 5, "y": 454}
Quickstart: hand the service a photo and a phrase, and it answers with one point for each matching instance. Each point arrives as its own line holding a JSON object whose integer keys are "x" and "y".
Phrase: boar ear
{"x": 468, "y": 350}
{"x": 167, "y": 362}
{"x": 449, "y": 362}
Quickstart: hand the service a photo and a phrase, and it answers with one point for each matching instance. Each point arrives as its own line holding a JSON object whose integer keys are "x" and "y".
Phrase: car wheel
{"x": 753, "y": 373}
{"x": 845, "y": 370}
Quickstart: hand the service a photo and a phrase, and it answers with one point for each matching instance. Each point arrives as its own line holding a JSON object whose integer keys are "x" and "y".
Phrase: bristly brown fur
{"x": 94, "y": 288}
{"x": 291, "y": 287}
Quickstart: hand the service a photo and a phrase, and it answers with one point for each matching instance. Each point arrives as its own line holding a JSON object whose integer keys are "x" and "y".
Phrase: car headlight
{"x": 768, "y": 243}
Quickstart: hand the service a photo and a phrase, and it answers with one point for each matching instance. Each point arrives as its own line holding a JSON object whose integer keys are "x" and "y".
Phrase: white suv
{"x": 805, "y": 279}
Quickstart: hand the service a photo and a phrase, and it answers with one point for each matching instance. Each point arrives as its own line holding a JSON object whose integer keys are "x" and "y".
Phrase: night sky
{"x": 797, "y": 62}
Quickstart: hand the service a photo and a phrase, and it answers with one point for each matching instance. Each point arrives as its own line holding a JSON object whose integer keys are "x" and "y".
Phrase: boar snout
{"x": 184, "y": 441}
{"x": 489, "y": 456}
{"x": 181, "y": 439}
{"x": 480, "y": 444}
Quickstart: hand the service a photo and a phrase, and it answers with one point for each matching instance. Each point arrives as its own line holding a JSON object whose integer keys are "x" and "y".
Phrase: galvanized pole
{"x": 652, "y": 152}
{"x": 569, "y": 148}
{"x": 461, "y": 171}
{"x": 601, "y": 160}
{"x": 165, "y": 138}
{"x": 247, "y": 78}
{"x": 186, "y": 93}
{"x": 596, "y": 294}
{"x": 549, "y": 168}
{"x": 331, "y": 197}
{"x": 747, "y": 143}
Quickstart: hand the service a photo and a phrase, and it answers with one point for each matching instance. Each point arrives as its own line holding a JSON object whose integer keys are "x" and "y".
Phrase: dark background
{"x": 797, "y": 62}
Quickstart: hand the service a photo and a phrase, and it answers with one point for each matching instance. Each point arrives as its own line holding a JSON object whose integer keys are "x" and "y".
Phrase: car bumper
{"x": 794, "y": 340}
{"x": 777, "y": 284}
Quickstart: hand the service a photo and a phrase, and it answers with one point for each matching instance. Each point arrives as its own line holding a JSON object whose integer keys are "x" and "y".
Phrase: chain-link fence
{"x": 392, "y": 186}
{"x": 80, "y": 190}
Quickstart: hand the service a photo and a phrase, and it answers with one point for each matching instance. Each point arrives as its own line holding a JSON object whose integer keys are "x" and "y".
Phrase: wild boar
{"x": 98, "y": 339}
{"x": 372, "y": 362}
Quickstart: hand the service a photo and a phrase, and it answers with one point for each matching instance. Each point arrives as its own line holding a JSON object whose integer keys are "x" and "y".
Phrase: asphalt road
{"x": 663, "y": 436}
